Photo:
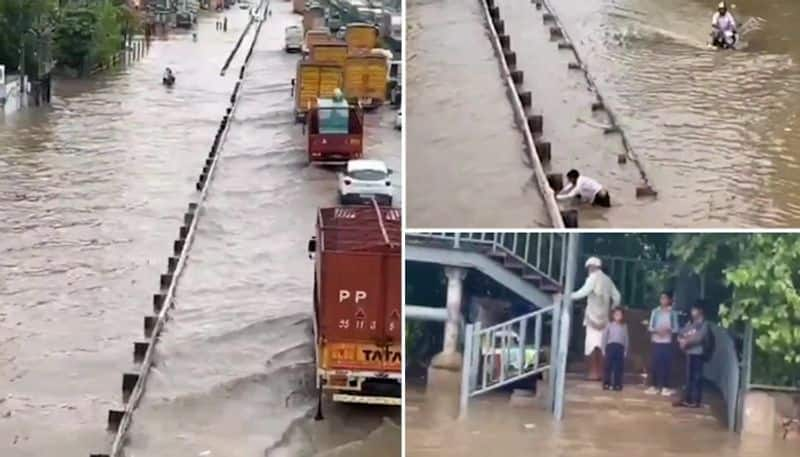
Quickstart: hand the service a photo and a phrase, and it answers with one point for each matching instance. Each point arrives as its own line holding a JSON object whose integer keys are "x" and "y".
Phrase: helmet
{"x": 593, "y": 262}
{"x": 722, "y": 6}
{"x": 337, "y": 94}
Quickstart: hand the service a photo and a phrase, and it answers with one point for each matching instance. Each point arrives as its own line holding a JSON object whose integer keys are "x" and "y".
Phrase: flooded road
{"x": 589, "y": 429}
{"x": 94, "y": 192}
{"x": 717, "y": 132}
{"x": 465, "y": 157}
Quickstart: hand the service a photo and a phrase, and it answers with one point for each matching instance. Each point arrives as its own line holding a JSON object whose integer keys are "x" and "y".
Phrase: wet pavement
{"x": 92, "y": 198}
{"x": 716, "y": 131}
{"x": 596, "y": 424}
{"x": 465, "y": 157}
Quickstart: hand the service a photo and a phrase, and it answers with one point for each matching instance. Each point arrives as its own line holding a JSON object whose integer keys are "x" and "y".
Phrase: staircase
{"x": 529, "y": 264}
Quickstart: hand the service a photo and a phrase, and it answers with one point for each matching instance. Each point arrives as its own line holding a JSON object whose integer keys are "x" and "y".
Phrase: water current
{"x": 93, "y": 194}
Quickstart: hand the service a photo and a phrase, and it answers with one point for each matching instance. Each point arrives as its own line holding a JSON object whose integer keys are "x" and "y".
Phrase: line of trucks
{"x": 351, "y": 63}
{"x": 357, "y": 247}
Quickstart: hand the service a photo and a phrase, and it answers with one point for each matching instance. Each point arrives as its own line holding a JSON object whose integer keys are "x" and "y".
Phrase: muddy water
{"x": 590, "y": 429}
{"x": 93, "y": 193}
{"x": 465, "y": 157}
{"x": 235, "y": 373}
{"x": 716, "y": 131}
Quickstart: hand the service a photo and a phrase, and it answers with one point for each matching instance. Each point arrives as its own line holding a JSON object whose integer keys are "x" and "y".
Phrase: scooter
{"x": 724, "y": 39}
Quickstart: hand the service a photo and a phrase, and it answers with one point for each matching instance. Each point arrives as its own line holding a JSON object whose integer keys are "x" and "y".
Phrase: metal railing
{"x": 504, "y": 353}
{"x": 723, "y": 371}
{"x": 543, "y": 252}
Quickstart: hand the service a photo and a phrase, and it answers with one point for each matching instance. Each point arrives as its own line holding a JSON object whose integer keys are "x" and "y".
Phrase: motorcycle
{"x": 168, "y": 80}
{"x": 724, "y": 39}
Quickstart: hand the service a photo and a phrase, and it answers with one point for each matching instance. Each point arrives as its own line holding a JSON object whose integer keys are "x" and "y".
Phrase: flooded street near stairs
{"x": 93, "y": 195}
{"x": 592, "y": 427}
{"x": 717, "y": 132}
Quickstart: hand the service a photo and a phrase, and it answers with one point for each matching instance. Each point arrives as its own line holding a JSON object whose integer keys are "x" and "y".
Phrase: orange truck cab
{"x": 335, "y": 132}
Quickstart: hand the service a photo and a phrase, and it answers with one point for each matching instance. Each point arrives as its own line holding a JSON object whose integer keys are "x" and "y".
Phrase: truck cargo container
{"x": 357, "y": 320}
{"x": 328, "y": 52}
{"x": 314, "y": 18}
{"x": 365, "y": 79}
{"x": 298, "y": 6}
{"x": 316, "y": 36}
{"x": 314, "y": 81}
{"x": 335, "y": 132}
{"x": 361, "y": 38}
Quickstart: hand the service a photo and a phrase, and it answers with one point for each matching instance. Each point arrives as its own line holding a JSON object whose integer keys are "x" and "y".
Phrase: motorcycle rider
{"x": 168, "y": 76}
{"x": 722, "y": 21}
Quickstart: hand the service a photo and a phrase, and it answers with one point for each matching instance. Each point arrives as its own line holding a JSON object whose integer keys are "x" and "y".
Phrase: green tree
{"x": 763, "y": 273}
{"x": 24, "y": 23}
{"x": 74, "y": 37}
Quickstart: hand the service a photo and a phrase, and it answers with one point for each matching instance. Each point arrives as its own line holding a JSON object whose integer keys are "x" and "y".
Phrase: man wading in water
{"x": 601, "y": 295}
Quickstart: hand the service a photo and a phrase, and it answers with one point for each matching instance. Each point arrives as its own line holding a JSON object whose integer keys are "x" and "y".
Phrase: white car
{"x": 244, "y": 5}
{"x": 398, "y": 120}
{"x": 363, "y": 180}
{"x": 293, "y": 39}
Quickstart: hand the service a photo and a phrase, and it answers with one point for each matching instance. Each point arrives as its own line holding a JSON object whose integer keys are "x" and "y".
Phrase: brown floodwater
{"x": 596, "y": 424}
{"x": 92, "y": 197}
{"x": 716, "y": 132}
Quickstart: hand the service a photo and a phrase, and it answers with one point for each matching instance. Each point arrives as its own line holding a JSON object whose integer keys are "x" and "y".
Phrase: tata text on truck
{"x": 357, "y": 252}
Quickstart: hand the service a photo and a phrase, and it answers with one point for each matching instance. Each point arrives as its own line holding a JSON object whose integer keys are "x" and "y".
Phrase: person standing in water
{"x": 663, "y": 325}
{"x": 601, "y": 296}
{"x": 615, "y": 349}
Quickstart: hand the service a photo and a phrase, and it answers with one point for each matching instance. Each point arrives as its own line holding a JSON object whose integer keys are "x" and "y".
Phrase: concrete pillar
{"x": 449, "y": 359}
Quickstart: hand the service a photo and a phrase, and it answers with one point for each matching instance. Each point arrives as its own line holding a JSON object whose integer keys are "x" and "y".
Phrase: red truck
{"x": 335, "y": 133}
{"x": 357, "y": 320}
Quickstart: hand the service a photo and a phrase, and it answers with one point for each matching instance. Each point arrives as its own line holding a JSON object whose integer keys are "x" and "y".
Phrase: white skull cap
{"x": 594, "y": 262}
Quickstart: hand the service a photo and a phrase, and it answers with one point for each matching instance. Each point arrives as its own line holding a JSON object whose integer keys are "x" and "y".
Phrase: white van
{"x": 294, "y": 38}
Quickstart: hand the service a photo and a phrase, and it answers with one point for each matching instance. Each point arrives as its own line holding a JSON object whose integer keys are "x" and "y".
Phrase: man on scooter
{"x": 723, "y": 26}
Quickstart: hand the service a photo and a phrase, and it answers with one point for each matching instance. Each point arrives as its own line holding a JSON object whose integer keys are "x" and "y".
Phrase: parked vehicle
{"x": 298, "y": 6}
{"x": 244, "y": 4}
{"x": 315, "y": 81}
{"x": 364, "y": 180}
{"x": 357, "y": 320}
{"x": 315, "y": 37}
{"x": 293, "y": 38}
{"x": 335, "y": 132}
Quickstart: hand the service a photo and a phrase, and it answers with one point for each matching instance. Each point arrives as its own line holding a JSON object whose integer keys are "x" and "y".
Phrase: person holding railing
{"x": 601, "y": 296}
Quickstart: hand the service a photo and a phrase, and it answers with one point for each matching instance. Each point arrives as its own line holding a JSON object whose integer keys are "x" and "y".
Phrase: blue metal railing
{"x": 543, "y": 252}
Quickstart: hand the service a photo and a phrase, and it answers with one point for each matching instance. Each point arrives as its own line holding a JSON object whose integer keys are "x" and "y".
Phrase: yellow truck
{"x": 365, "y": 79}
{"x": 328, "y": 52}
{"x": 313, "y": 81}
{"x": 361, "y": 38}
{"x": 314, "y": 37}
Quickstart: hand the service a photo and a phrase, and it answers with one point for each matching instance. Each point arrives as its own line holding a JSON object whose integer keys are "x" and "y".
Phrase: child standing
{"x": 694, "y": 340}
{"x": 615, "y": 348}
{"x": 663, "y": 325}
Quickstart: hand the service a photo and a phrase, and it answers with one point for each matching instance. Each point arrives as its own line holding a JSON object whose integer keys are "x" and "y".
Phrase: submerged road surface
{"x": 92, "y": 197}
{"x": 717, "y": 132}
{"x": 234, "y": 374}
{"x": 596, "y": 424}
{"x": 466, "y": 161}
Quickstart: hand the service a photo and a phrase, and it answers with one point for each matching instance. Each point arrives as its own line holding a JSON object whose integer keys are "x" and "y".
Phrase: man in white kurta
{"x": 601, "y": 296}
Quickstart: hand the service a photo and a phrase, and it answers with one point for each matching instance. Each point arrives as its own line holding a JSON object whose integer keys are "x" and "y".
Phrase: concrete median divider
{"x": 521, "y": 102}
{"x": 559, "y": 32}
